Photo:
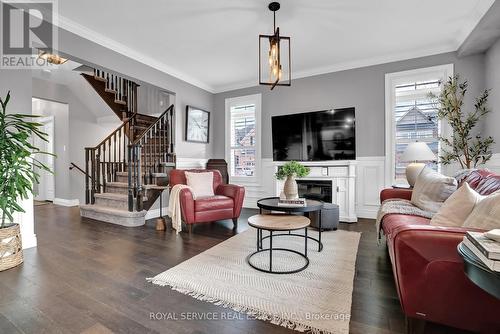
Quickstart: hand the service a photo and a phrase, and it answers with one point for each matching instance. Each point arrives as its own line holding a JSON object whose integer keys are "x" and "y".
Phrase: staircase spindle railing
{"x": 101, "y": 167}
{"x": 150, "y": 153}
{"x": 141, "y": 155}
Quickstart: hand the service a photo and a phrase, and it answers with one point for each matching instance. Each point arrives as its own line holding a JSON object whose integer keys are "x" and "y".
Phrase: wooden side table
{"x": 160, "y": 221}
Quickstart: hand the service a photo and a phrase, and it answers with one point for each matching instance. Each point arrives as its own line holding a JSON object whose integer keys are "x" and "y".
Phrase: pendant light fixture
{"x": 274, "y": 56}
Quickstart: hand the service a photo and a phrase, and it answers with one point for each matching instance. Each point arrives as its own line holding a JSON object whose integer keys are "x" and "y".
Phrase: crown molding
{"x": 476, "y": 15}
{"x": 78, "y": 29}
{"x": 451, "y": 47}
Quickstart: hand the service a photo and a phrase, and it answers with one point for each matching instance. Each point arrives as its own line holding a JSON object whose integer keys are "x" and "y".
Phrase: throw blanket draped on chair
{"x": 398, "y": 206}
{"x": 174, "y": 207}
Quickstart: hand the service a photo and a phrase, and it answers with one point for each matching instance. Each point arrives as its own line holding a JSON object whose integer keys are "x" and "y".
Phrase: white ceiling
{"x": 214, "y": 45}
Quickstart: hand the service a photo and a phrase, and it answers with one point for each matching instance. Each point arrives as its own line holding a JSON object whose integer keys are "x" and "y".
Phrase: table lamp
{"x": 415, "y": 152}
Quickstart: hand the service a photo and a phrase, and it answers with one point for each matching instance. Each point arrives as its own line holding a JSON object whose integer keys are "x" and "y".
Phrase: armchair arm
{"x": 395, "y": 193}
{"x": 237, "y": 193}
{"x": 187, "y": 205}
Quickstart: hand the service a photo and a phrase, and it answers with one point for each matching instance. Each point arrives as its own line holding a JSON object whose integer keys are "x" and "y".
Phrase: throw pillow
{"x": 457, "y": 207}
{"x": 432, "y": 189}
{"x": 486, "y": 213}
{"x": 489, "y": 185}
{"x": 476, "y": 176}
{"x": 202, "y": 184}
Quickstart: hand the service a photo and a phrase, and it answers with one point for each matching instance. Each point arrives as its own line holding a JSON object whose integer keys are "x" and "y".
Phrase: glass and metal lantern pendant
{"x": 274, "y": 56}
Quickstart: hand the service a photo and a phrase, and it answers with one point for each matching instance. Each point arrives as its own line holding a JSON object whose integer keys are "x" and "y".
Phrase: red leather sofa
{"x": 225, "y": 204}
{"x": 429, "y": 272}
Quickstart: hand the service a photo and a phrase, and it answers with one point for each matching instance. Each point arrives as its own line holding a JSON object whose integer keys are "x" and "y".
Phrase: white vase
{"x": 290, "y": 188}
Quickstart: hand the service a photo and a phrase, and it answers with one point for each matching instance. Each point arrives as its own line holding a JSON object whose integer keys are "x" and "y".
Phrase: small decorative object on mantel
{"x": 464, "y": 147}
{"x": 197, "y": 125}
{"x": 274, "y": 56}
{"x": 18, "y": 175}
{"x": 290, "y": 171}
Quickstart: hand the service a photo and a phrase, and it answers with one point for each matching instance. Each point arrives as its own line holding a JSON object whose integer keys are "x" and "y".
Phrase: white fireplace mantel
{"x": 341, "y": 173}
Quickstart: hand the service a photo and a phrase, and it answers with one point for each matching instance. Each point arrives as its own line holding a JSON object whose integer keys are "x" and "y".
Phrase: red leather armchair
{"x": 429, "y": 273}
{"x": 225, "y": 204}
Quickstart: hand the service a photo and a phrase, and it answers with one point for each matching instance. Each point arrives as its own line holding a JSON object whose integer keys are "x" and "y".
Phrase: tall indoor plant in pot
{"x": 289, "y": 172}
{"x": 465, "y": 146}
{"x": 17, "y": 176}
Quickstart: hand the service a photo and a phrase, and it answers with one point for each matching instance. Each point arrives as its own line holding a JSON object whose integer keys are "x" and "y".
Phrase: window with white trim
{"x": 412, "y": 116}
{"x": 243, "y": 136}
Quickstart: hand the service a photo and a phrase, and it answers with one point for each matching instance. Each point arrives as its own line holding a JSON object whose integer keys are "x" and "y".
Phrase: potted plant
{"x": 463, "y": 147}
{"x": 17, "y": 176}
{"x": 290, "y": 171}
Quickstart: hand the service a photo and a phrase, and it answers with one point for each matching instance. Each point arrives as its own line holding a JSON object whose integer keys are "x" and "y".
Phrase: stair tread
{"x": 113, "y": 211}
{"x": 117, "y": 184}
{"x": 153, "y": 174}
{"x": 125, "y": 185}
{"x": 115, "y": 196}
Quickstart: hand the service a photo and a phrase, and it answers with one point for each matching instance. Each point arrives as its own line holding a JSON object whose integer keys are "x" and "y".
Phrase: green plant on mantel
{"x": 292, "y": 168}
{"x": 463, "y": 147}
{"x": 17, "y": 160}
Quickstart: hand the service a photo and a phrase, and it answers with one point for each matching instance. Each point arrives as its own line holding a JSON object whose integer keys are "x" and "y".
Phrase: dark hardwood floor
{"x": 89, "y": 277}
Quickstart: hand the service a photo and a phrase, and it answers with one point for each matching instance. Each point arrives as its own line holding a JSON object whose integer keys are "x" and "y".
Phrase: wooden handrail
{"x": 73, "y": 165}
{"x": 113, "y": 133}
{"x": 158, "y": 120}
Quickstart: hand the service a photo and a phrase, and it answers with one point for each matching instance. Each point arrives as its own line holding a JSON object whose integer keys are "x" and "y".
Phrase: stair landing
{"x": 113, "y": 215}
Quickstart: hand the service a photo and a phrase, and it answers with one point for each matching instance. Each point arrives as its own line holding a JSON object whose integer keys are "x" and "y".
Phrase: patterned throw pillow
{"x": 486, "y": 213}
{"x": 432, "y": 189}
{"x": 457, "y": 207}
{"x": 202, "y": 184}
{"x": 475, "y": 177}
{"x": 489, "y": 185}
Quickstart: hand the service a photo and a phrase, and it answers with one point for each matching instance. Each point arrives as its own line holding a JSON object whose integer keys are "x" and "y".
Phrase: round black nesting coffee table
{"x": 271, "y": 204}
{"x": 275, "y": 223}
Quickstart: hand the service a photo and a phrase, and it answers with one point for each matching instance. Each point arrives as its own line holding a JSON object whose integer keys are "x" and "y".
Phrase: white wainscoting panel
{"x": 66, "y": 202}
{"x": 264, "y": 187}
{"x": 369, "y": 182}
{"x": 190, "y": 163}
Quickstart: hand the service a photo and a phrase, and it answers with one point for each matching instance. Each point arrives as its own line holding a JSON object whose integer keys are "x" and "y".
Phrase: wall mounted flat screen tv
{"x": 315, "y": 136}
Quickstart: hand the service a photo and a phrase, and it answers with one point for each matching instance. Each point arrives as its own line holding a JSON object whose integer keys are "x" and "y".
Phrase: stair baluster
{"x": 128, "y": 150}
{"x": 101, "y": 168}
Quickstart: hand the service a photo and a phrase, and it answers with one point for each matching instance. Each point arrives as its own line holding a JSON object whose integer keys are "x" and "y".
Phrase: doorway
{"x": 45, "y": 189}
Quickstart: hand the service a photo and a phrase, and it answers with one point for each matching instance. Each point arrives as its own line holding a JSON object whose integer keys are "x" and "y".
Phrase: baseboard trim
{"x": 66, "y": 202}
{"x": 367, "y": 213}
{"x": 29, "y": 241}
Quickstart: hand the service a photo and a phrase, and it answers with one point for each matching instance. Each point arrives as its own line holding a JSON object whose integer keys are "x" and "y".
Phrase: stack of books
{"x": 487, "y": 250}
{"x": 298, "y": 202}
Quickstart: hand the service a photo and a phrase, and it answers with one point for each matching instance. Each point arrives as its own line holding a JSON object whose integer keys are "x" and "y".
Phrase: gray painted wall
{"x": 492, "y": 67}
{"x": 88, "y": 52}
{"x": 19, "y": 84}
{"x": 362, "y": 88}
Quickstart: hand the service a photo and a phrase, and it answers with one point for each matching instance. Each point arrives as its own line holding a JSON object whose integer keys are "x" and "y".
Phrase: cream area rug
{"x": 317, "y": 299}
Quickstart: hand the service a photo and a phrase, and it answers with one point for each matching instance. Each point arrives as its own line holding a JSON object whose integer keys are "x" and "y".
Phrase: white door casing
{"x": 46, "y": 186}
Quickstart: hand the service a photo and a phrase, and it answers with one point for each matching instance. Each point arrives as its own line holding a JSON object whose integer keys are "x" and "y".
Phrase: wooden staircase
{"x": 126, "y": 172}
